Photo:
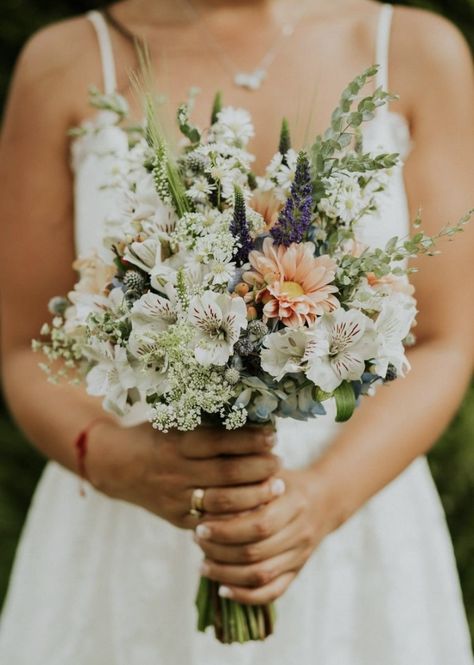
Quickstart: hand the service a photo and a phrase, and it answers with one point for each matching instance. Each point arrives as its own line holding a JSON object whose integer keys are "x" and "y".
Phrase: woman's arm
{"x": 155, "y": 471}
{"x": 37, "y": 241}
{"x": 258, "y": 555}
{"x": 406, "y": 418}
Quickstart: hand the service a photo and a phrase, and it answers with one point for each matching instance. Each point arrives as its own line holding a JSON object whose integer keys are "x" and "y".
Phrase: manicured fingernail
{"x": 203, "y": 531}
{"x": 278, "y": 487}
{"x": 225, "y": 592}
{"x": 205, "y": 568}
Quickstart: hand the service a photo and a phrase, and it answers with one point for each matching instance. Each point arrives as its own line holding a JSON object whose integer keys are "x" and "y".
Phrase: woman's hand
{"x": 160, "y": 471}
{"x": 256, "y": 555}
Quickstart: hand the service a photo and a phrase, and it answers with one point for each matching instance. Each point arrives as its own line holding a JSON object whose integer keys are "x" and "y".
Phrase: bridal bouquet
{"x": 226, "y": 298}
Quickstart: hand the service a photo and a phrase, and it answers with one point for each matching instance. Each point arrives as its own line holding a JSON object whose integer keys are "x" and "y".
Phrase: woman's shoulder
{"x": 59, "y": 63}
{"x": 422, "y": 36}
{"x": 429, "y": 58}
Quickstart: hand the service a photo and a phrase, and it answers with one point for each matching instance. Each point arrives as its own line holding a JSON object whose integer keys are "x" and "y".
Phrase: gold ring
{"x": 197, "y": 502}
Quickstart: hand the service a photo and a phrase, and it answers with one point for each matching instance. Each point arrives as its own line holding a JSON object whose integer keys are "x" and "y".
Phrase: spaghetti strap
{"x": 106, "y": 52}
{"x": 382, "y": 45}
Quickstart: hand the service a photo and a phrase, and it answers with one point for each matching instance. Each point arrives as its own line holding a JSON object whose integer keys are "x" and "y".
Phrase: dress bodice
{"x": 94, "y": 151}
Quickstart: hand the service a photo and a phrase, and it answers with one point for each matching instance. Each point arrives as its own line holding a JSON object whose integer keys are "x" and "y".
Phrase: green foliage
{"x": 216, "y": 107}
{"x": 345, "y": 122}
{"x": 452, "y": 460}
{"x": 188, "y": 130}
{"x": 285, "y": 140}
{"x": 379, "y": 261}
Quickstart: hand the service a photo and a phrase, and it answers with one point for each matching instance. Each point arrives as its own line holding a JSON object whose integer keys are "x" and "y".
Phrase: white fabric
{"x": 101, "y": 582}
{"x": 106, "y": 52}
{"x": 382, "y": 46}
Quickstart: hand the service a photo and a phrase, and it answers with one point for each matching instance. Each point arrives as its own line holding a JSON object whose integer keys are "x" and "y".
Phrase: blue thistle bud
{"x": 294, "y": 219}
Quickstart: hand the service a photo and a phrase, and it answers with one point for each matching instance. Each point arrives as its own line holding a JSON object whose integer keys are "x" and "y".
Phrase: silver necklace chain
{"x": 250, "y": 80}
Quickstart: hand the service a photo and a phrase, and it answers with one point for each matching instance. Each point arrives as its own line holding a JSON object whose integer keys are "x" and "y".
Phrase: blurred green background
{"x": 452, "y": 460}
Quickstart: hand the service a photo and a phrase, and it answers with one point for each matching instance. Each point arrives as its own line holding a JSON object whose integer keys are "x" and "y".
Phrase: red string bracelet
{"x": 81, "y": 447}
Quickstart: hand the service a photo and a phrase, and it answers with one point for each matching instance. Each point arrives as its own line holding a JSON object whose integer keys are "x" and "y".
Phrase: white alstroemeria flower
{"x": 153, "y": 313}
{"x": 390, "y": 288}
{"x": 84, "y": 304}
{"x": 218, "y": 319}
{"x": 112, "y": 377}
{"x": 146, "y": 199}
{"x": 392, "y": 326}
{"x": 284, "y": 350}
{"x": 234, "y": 126}
{"x": 162, "y": 224}
{"x": 340, "y": 344}
{"x": 147, "y": 256}
{"x": 143, "y": 254}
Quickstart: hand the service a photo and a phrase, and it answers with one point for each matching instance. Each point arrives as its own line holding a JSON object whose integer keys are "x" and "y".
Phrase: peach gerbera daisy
{"x": 295, "y": 286}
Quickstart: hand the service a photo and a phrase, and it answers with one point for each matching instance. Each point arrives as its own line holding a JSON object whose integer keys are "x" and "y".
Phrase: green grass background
{"x": 452, "y": 459}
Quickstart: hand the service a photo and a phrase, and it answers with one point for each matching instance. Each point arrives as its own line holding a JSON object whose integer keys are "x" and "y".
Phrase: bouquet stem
{"x": 232, "y": 621}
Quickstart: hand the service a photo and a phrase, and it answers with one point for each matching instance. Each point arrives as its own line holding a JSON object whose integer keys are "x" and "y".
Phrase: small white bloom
{"x": 200, "y": 190}
{"x": 341, "y": 343}
{"x": 279, "y": 175}
{"x": 234, "y": 125}
{"x": 112, "y": 377}
{"x": 218, "y": 319}
{"x": 345, "y": 199}
{"x": 286, "y": 173}
{"x": 220, "y": 273}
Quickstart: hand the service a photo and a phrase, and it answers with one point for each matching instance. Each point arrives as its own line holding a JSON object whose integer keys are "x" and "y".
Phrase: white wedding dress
{"x": 101, "y": 582}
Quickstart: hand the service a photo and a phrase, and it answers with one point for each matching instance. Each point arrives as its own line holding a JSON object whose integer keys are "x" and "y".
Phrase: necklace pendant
{"x": 250, "y": 80}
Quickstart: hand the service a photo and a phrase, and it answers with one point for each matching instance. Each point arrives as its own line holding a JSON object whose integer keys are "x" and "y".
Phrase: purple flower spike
{"x": 240, "y": 229}
{"x": 294, "y": 219}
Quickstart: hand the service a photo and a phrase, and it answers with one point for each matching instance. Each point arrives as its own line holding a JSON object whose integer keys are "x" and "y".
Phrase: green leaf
{"x": 356, "y": 119}
{"x": 345, "y": 402}
{"x": 191, "y": 132}
{"x": 320, "y": 395}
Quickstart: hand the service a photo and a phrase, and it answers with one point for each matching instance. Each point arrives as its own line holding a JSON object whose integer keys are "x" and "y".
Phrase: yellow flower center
{"x": 292, "y": 289}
